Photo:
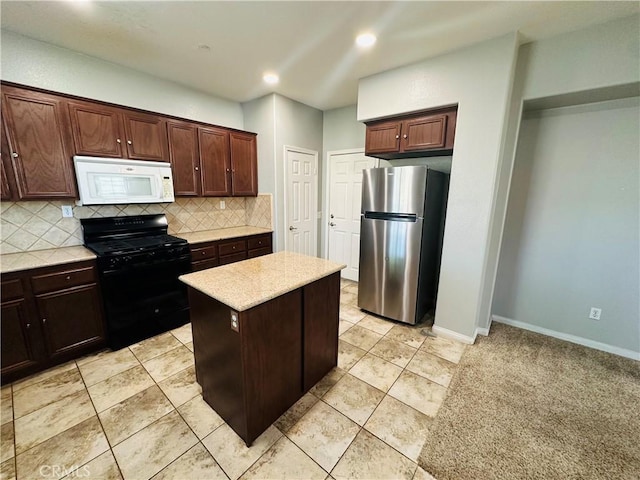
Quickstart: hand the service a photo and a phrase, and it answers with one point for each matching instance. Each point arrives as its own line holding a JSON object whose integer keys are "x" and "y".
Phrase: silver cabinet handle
{"x": 397, "y": 136}
{"x": 404, "y": 136}
{"x": 68, "y": 277}
{"x": 14, "y": 155}
{"x": 44, "y": 320}
{"x": 118, "y": 140}
{"x": 291, "y": 229}
{"x": 28, "y": 326}
{"x": 331, "y": 224}
{"x": 197, "y": 168}
{"x": 129, "y": 142}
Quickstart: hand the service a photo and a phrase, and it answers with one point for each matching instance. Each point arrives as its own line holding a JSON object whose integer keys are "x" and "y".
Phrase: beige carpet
{"x": 526, "y": 406}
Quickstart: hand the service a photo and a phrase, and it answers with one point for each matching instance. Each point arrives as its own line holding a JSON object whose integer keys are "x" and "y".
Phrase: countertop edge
{"x": 247, "y": 306}
{"x": 37, "y": 263}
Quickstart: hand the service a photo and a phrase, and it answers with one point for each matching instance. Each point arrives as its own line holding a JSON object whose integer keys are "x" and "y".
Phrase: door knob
{"x": 332, "y": 224}
{"x": 291, "y": 229}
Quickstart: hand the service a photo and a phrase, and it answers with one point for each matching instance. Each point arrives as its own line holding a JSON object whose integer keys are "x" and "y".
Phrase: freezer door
{"x": 394, "y": 189}
{"x": 389, "y": 265}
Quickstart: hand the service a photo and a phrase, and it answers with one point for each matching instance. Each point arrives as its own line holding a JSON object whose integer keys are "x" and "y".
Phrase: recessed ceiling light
{"x": 204, "y": 47}
{"x": 271, "y": 78}
{"x": 365, "y": 39}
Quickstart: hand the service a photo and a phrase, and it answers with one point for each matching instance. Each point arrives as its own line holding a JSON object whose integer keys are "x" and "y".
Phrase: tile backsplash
{"x": 38, "y": 225}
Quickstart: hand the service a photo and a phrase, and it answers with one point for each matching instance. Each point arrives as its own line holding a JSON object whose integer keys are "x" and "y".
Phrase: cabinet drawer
{"x": 204, "y": 264}
{"x": 262, "y": 241}
{"x": 236, "y": 257}
{"x": 258, "y": 252}
{"x": 64, "y": 279}
{"x": 12, "y": 289}
{"x": 204, "y": 253}
{"x": 232, "y": 247}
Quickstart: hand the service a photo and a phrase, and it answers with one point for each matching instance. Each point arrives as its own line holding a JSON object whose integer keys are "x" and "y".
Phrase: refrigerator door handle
{"x": 393, "y": 217}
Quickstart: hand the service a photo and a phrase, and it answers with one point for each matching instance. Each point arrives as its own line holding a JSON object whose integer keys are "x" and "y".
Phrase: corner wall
{"x": 479, "y": 80}
{"x": 571, "y": 239}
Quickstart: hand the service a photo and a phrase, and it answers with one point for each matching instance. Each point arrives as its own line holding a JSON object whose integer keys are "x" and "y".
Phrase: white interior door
{"x": 301, "y": 201}
{"x": 345, "y": 195}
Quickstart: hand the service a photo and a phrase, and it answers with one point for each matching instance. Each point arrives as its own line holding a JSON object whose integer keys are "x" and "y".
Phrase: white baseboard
{"x": 482, "y": 331}
{"x": 451, "y": 335}
{"x": 623, "y": 352}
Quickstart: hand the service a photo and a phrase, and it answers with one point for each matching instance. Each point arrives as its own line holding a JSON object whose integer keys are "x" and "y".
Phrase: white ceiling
{"x": 310, "y": 44}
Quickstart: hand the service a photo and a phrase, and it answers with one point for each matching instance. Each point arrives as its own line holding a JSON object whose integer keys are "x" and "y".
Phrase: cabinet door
{"x": 146, "y": 137}
{"x": 97, "y": 130}
{"x": 214, "y": 162}
{"x": 424, "y": 133}
{"x": 71, "y": 319}
{"x": 383, "y": 137}
{"x": 185, "y": 161}
{"x": 39, "y": 140}
{"x": 17, "y": 350}
{"x": 244, "y": 164}
{"x": 6, "y": 192}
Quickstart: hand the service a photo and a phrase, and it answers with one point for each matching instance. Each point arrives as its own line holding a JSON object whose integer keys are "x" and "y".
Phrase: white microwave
{"x": 114, "y": 181}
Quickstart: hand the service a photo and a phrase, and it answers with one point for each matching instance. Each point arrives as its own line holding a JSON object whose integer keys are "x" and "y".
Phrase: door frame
{"x": 327, "y": 191}
{"x": 314, "y": 200}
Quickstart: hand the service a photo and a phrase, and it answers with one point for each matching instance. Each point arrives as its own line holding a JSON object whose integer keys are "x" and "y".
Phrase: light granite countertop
{"x": 221, "y": 234}
{"x": 12, "y": 262}
{"x": 248, "y": 283}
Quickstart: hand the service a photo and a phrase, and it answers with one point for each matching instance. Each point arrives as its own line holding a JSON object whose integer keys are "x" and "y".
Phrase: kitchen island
{"x": 265, "y": 330}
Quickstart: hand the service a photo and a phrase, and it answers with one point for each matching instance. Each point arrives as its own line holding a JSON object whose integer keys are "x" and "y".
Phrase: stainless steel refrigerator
{"x": 401, "y": 227}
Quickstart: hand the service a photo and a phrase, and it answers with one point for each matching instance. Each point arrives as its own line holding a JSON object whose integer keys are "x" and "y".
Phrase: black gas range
{"x": 139, "y": 265}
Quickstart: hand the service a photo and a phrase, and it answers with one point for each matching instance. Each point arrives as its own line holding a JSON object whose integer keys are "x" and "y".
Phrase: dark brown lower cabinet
{"x": 253, "y": 372}
{"x": 49, "y": 316}
{"x": 222, "y": 252}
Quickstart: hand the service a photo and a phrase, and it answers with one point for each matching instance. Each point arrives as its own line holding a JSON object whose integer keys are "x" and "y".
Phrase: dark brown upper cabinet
{"x": 427, "y": 133}
{"x": 37, "y": 128}
{"x": 212, "y": 162}
{"x": 244, "y": 164}
{"x": 104, "y": 131}
{"x": 185, "y": 158}
{"x": 215, "y": 162}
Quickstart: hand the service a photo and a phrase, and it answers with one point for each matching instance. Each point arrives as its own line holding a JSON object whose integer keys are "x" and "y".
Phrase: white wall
{"x": 479, "y": 80}
{"x": 600, "y": 56}
{"x": 341, "y": 130}
{"x": 280, "y": 121}
{"x": 571, "y": 239}
{"x": 37, "y": 64}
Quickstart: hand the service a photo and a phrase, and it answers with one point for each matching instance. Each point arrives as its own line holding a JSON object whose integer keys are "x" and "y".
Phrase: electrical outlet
{"x": 595, "y": 313}
{"x": 223, "y": 205}
{"x": 67, "y": 211}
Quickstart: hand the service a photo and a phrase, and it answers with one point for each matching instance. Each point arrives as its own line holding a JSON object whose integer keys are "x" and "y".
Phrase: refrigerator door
{"x": 389, "y": 265}
{"x": 394, "y": 189}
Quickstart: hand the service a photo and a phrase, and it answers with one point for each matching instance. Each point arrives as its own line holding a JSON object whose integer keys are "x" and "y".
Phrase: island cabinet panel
{"x": 253, "y": 375}
{"x": 272, "y": 354}
{"x": 217, "y": 349}
{"x": 321, "y": 318}
{"x": 255, "y": 364}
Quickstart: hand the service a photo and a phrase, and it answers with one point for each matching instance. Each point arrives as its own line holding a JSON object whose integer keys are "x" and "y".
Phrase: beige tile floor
{"x": 138, "y": 413}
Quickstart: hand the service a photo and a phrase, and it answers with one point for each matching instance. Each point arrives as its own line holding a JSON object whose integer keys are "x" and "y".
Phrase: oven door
{"x": 144, "y": 300}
